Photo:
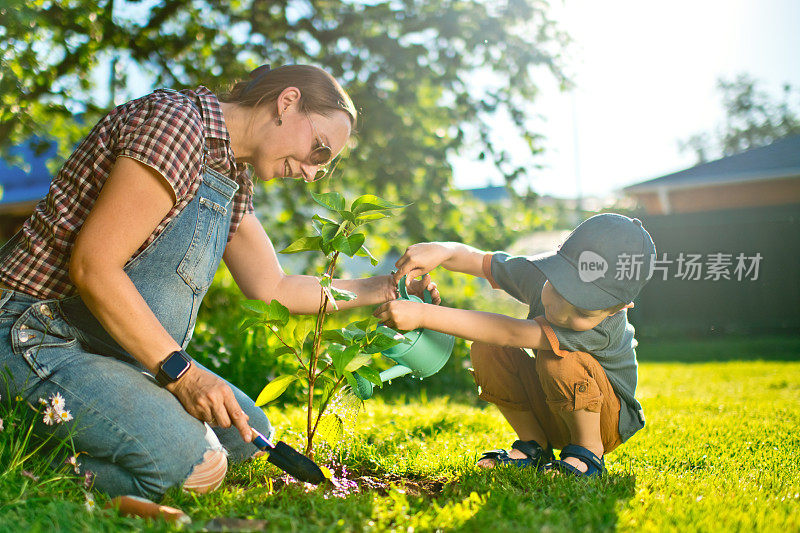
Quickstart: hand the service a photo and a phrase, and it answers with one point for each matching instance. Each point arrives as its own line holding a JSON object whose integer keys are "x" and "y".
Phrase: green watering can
{"x": 424, "y": 355}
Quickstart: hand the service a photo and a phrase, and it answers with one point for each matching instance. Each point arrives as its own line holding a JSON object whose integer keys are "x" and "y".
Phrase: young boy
{"x": 577, "y": 393}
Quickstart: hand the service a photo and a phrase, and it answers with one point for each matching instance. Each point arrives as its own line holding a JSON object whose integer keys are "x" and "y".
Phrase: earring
{"x": 280, "y": 122}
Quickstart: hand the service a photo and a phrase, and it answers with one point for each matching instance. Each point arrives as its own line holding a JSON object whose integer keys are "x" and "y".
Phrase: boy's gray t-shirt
{"x": 611, "y": 342}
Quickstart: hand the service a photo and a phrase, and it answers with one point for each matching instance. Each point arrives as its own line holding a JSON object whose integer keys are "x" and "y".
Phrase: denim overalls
{"x": 135, "y": 436}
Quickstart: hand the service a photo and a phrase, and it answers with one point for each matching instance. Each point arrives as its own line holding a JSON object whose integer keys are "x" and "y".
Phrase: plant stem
{"x": 297, "y": 355}
{"x": 324, "y": 405}
{"x": 312, "y": 363}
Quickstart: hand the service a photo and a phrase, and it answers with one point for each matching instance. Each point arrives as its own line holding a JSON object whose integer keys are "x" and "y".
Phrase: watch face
{"x": 175, "y": 365}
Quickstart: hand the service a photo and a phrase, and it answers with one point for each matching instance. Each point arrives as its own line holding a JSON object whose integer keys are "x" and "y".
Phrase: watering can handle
{"x": 401, "y": 287}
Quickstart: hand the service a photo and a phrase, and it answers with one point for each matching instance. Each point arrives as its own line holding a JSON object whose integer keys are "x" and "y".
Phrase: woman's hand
{"x": 401, "y": 314}
{"x": 209, "y": 399}
{"x": 417, "y": 287}
{"x": 421, "y": 258}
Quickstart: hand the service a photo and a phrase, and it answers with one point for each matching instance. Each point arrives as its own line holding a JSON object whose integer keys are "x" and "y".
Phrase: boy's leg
{"x": 578, "y": 391}
{"x": 507, "y": 378}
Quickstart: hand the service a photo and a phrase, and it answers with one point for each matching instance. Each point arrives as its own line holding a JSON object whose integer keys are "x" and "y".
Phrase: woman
{"x": 105, "y": 279}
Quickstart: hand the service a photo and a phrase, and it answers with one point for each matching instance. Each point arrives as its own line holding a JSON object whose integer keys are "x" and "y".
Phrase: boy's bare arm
{"x": 480, "y": 326}
{"x": 421, "y": 258}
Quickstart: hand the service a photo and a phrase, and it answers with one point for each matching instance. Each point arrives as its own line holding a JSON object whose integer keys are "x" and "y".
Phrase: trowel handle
{"x": 261, "y": 441}
{"x": 403, "y": 290}
{"x": 394, "y": 372}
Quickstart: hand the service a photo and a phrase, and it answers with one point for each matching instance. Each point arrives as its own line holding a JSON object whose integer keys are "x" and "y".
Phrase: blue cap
{"x": 604, "y": 262}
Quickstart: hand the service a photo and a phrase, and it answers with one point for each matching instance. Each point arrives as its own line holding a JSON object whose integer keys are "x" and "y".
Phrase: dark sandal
{"x": 596, "y": 465}
{"x": 537, "y": 457}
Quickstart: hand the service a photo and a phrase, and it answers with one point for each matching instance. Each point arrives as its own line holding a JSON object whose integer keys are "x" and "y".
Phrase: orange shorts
{"x": 549, "y": 383}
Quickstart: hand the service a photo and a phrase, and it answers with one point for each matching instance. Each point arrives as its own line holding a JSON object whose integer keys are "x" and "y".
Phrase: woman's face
{"x": 293, "y": 148}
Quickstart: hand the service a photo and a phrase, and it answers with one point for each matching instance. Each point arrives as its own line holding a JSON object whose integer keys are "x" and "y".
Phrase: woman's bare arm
{"x": 133, "y": 201}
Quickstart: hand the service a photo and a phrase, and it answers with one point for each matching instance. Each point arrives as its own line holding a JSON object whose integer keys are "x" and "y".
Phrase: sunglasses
{"x": 320, "y": 155}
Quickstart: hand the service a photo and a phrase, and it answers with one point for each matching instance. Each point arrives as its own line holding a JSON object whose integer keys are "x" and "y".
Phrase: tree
{"x": 427, "y": 75}
{"x": 753, "y": 119}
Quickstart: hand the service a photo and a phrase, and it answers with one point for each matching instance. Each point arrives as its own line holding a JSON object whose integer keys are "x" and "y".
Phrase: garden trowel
{"x": 289, "y": 460}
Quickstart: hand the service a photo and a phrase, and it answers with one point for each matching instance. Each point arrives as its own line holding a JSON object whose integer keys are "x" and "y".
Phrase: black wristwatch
{"x": 173, "y": 367}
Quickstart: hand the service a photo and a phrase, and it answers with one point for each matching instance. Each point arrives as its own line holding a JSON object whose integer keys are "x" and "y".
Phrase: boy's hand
{"x": 418, "y": 286}
{"x": 401, "y": 314}
{"x": 421, "y": 258}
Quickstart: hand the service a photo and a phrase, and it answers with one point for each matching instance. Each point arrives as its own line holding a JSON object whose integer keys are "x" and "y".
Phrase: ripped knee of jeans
{"x": 208, "y": 475}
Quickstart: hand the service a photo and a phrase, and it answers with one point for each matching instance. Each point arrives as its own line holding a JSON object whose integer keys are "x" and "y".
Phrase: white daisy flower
{"x": 42, "y": 401}
{"x": 57, "y": 401}
{"x": 73, "y": 460}
{"x": 50, "y": 416}
{"x": 89, "y": 503}
{"x": 64, "y": 416}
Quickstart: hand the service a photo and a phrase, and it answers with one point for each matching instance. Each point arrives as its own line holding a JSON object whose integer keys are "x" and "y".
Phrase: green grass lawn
{"x": 720, "y": 452}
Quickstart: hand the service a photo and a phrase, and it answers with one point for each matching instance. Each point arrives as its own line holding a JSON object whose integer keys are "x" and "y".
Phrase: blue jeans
{"x": 135, "y": 436}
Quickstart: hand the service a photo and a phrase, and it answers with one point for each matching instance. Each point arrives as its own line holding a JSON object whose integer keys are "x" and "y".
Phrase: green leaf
{"x": 342, "y": 358}
{"x": 325, "y": 358}
{"x": 358, "y": 361}
{"x": 370, "y": 216}
{"x": 274, "y": 389}
{"x": 348, "y": 245}
{"x": 270, "y": 313}
{"x": 351, "y": 381}
{"x": 365, "y": 324}
{"x": 329, "y": 200}
{"x": 306, "y": 244}
{"x": 364, "y": 252}
{"x": 371, "y": 375}
{"x": 370, "y": 202}
{"x": 391, "y": 333}
{"x": 343, "y": 295}
{"x": 327, "y": 228}
{"x": 318, "y": 222}
{"x": 330, "y": 231}
{"x": 383, "y": 339}
{"x": 283, "y": 350}
{"x": 334, "y": 335}
{"x": 329, "y": 295}
{"x": 250, "y": 322}
{"x": 277, "y": 312}
{"x": 257, "y": 306}
{"x": 353, "y": 333}
{"x": 304, "y": 326}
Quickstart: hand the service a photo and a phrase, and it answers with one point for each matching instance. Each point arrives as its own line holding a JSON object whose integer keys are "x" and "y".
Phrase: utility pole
{"x": 112, "y": 82}
{"x": 576, "y": 158}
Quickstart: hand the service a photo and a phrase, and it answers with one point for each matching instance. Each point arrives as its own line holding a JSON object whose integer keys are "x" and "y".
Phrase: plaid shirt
{"x": 163, "y": 130}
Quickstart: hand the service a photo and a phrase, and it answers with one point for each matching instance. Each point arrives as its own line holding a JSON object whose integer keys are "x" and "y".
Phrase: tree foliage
{"x": 754, "y": 118}
{"x": 428, "y": 77}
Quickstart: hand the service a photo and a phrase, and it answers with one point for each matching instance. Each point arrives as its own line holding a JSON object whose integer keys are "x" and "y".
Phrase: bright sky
{"x": 646, "y": 74}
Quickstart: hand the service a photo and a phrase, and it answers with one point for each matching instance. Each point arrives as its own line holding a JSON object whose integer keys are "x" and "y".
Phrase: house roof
{"x": 22, "y": 185}
{"x": 492, "y": 193}
{"x": 780, "y": 159}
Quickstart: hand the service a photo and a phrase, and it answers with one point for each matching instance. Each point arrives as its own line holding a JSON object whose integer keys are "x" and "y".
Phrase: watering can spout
{"x": 366, "y": 389}
{"x": 395, "y": 372}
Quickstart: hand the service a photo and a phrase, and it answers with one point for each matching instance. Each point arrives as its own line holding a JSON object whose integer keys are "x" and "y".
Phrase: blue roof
{"x": 489, "y": 194}
{"x": 19, "y": 185}
{"x": 781, "y": 159}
